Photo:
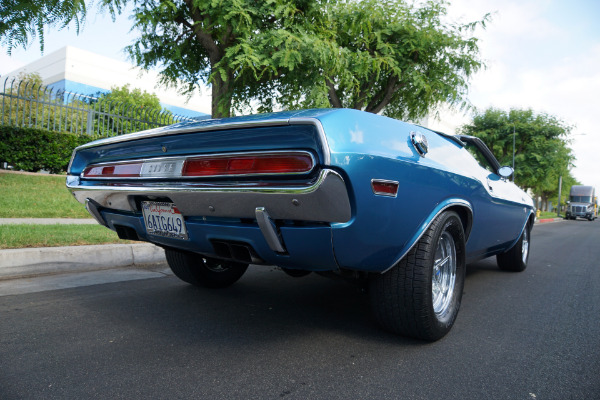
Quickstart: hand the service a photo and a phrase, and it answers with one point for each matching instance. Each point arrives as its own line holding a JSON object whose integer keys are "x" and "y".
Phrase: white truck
{"x": 582, "y": 203}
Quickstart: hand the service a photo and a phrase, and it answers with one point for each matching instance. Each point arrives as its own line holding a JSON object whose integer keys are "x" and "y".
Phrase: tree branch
{"x": 205, "y": 39}
{"x": 333, "y": 97}
{"x": 362, "y": 94}
{"x": 386, "y": 95}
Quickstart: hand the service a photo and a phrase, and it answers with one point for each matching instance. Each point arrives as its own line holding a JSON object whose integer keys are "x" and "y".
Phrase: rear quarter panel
{"x": 366, "y": 146}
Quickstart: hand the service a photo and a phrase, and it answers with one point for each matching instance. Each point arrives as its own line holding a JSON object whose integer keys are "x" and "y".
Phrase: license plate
{"x": 163, "y": 219}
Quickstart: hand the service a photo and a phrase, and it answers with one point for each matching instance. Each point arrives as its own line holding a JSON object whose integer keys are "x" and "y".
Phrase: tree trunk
{"x": 544, "y": 203}
{"x": 221, "y": 98}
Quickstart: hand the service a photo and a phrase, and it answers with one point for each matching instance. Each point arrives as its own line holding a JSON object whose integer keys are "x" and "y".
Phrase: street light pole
{"x": 559, "y": 195}
{"x": 514, "y": 140}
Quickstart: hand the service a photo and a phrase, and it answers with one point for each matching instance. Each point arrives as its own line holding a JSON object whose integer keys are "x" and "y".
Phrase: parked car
{"x": 340, "y": 191}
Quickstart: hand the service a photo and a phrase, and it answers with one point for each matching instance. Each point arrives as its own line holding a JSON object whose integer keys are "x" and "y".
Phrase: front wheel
{"x": 420, "y": 296}
{"x": 515, "y": 259}
{"x": 198, "y": 270}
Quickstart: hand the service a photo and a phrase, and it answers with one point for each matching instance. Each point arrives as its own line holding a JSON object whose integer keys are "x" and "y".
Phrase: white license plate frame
{"x": 163, "y": 219}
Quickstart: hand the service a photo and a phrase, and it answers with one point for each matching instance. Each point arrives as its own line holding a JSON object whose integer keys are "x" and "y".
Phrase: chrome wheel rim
{"x": 525, "y": 246}
{"x": 444, "y": 274}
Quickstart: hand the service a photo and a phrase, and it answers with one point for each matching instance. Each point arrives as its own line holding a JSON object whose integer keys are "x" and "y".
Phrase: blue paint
{"x": 361, "y": 147}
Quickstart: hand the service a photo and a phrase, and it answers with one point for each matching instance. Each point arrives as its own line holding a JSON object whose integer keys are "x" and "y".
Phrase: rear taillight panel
{"x": 206, "y": 166}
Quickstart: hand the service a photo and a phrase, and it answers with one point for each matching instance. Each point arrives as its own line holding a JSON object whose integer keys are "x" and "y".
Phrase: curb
{"x": 545, "y": 220}
{"x": 48, "y": 221}
{"x": 22, "y": 263}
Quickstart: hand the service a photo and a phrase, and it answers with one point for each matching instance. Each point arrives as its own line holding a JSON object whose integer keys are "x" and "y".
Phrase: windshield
{"x": 581, "y": 199}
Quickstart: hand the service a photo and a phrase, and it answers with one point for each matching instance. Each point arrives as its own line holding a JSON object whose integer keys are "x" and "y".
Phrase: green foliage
{"x": 31, "y": 149}
{"x": 215, "y": 41}
{"x": 135, "y": 98}
{"x": 542, "y": 153}
{"x": 369, "y": 55}
{"x": 125, "y": 110}
{"x": 21, "y": 20}
{"x": 379, "y": 56}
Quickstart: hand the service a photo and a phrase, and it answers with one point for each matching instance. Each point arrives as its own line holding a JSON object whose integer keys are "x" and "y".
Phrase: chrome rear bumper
{"x": 324, "y": 200}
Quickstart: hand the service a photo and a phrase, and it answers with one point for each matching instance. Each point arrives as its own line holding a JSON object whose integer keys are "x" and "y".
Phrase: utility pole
{"x": 514, "y": 140}
{"x": 559, "y": 190}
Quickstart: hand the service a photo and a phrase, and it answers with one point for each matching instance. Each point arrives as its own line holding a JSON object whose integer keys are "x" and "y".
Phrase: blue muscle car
{"x": 344, "y": 192}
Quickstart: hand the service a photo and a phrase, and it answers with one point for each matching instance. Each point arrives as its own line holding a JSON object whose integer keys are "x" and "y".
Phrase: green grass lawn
{"x": 548, "y": 214}
{"x": 45, "y": 196}
{"x": 21, "y": 236}
{"x": 37, "y": 196}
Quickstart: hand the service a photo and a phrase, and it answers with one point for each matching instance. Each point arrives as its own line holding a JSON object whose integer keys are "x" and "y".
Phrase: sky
{"x": 540, "y": 54}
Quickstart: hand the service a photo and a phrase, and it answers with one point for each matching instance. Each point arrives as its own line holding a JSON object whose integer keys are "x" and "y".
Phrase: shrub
{"x": 34, "y": 149}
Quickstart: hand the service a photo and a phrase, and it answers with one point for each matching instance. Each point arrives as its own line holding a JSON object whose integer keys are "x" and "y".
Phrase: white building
{"x": 81, "y": 71}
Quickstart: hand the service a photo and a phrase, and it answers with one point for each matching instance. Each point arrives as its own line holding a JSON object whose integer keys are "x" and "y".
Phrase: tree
{"x": 388, "y": 56}
{"x": 542, "y": 153}
{"x": 21, "y": 20}
{"x": 371, "y": 55}
{"x": 125, "y": 110}
{"x": 228, "y": 44}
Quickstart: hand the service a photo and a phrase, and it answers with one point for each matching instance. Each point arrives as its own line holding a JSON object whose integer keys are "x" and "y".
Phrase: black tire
{"x": 515, "y": 259}
{"x": 296, "y": 273}
{"x": 402, "y": 299}
{"x": 198, "y": 270}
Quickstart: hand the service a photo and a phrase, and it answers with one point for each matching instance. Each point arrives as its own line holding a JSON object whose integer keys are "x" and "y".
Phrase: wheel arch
{"x": 461, "y": 206}
{"x": 528, "y": 224}
{"x": 466, "y": 217}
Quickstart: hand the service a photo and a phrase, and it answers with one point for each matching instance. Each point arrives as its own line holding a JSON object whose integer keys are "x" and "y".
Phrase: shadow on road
{"x": 264, "y": 306}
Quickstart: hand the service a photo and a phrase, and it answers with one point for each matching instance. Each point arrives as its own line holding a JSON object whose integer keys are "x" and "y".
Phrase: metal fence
{"x": 25, "y": 103}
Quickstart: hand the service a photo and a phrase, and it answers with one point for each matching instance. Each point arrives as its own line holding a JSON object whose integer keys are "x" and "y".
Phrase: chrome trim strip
{"x": 444, "y": 206}
{"x": 71, "y": 160}
{"x": 324, "y": 143}
{"x": 185, "y": 158}
{"x": 325, "y": 199}
{"x": 269, "y": 230}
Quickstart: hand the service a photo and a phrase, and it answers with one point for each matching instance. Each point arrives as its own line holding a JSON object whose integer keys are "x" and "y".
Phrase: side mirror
{"x": 505, "y": 172}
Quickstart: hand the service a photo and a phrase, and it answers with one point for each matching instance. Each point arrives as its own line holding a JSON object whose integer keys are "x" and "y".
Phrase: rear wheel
{"x": 420, "y": 296}
{"x": 202, "y": 271}
{"x": 515, "y": 260}
{"x": 296, "y": 273}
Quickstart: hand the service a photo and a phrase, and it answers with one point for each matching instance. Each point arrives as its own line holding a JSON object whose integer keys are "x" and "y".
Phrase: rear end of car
{"x": 255, "y": 190}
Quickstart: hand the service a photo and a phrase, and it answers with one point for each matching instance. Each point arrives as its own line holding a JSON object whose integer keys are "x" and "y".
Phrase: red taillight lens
{"x": 130, "y": 170}
{"x": 384, "y": 187}
{"x": 248, "y": 165}
{"x": 206, "y": 166}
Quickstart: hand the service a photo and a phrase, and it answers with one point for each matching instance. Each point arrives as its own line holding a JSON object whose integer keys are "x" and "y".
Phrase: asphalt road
{"x": 525, "y": 335}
